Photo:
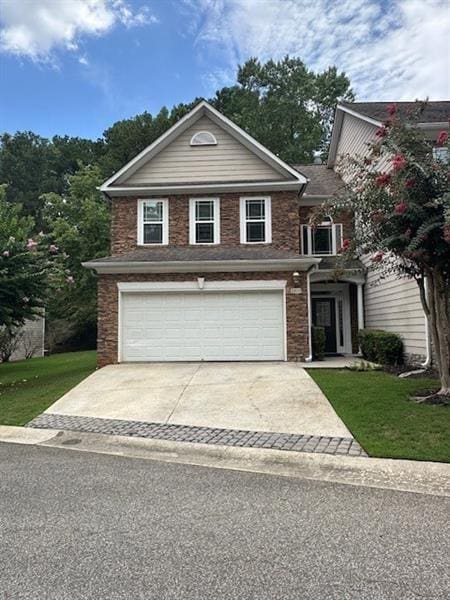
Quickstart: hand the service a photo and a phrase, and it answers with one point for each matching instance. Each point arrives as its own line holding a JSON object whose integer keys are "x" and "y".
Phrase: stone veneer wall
{"x": 285, "y": 220}
{"x": 296, "y": 308}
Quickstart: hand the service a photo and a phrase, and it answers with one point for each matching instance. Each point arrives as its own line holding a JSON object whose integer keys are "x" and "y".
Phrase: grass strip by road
{"x": 28, "y": 387}
{"x": 376, "y": 408}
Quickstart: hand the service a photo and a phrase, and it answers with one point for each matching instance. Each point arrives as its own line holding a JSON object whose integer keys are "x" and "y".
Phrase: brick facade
{"x": 285, "y": 221}
{"x": 296, "y": 308}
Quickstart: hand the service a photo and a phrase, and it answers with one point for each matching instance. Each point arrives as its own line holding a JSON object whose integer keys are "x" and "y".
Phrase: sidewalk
{"x": 402, "y": 475}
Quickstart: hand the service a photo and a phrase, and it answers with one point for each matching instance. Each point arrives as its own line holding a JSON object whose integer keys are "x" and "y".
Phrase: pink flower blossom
{"x": 383, "y": 179}
{"x": 31, "y": 244}
{"x": 381, "y": 132}
{"x": 6, "y": 253}
{"x": 378, "y": 256}
{"x": 345, "y": 245}
{"x": 410, "y": 183}
{"x": 70, "y": 279}
{"x": 442, "y": 138}
{"x": 400, "y": 208}
{"x": 399, "y": 162}
{"x": 392, "y": 109}
{"x": 53, "y": 249}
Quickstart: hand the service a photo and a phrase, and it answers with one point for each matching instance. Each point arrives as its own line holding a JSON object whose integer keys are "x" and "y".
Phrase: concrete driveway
{"x": 274, "y": 397}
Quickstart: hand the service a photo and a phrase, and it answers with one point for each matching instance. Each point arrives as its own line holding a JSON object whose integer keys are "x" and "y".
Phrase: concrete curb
{"x": 402, "y": 475}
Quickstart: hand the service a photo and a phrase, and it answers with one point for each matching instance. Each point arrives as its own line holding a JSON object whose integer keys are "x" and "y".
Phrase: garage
{"x": 201, "y": 324}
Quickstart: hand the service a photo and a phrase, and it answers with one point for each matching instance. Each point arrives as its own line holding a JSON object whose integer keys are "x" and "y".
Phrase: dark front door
{"x": 324, "y": 315}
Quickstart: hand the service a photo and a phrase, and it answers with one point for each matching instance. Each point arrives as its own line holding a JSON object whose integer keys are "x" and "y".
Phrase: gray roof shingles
{"x": 434, "y": 112}
{"x": 323, "y": 181}
{"x": 198, "y": 253}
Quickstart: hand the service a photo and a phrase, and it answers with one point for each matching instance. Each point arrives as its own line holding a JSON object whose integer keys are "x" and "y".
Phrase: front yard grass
{"x": 28, "y": 387}
{"x": 375, "y": 407}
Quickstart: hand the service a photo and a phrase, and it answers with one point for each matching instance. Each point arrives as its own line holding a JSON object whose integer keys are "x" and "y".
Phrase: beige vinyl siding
{"x": 180, "y": 162}
{"x": 355, "y": 136}
{"x": 393, "y": 304}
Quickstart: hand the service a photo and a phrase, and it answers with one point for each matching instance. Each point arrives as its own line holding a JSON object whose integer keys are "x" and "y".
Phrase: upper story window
{"x": 153, "y": 222}
{"x": 204, "y": 221}
{"x": 323, "y": 239}
{"x": 203, "y": 138}
{"x": 256, "y": 220}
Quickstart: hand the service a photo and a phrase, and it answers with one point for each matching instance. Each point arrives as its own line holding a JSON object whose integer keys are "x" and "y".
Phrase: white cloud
{"x": 36, "y": 28}
{"x": 394, "y": 49}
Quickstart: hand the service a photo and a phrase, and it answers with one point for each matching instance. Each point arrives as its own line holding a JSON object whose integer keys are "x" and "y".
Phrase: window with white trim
{"x": 153, "y": 222}
{"x": 204, "y": 221}
{"x": 203, "y": 138}
{"x": 323, "y": 239}
{"x": 256, "y": 220}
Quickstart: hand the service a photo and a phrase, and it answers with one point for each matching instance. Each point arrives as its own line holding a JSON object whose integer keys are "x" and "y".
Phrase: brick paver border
{"x": 202, "y": 435}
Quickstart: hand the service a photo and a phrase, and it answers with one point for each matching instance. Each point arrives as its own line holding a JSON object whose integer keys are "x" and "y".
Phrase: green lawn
{"x": 28, "y": 387}
{"x": 376, "y": 409}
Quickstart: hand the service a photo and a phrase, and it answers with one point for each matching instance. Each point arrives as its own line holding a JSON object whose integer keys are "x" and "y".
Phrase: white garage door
{"x": 202, "y": 326}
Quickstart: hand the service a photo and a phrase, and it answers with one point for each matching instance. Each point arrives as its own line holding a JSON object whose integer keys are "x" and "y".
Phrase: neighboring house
{"x": 30, "y": 340}
{"x": 391, "y": 303}
{"x": 213, "y": 257}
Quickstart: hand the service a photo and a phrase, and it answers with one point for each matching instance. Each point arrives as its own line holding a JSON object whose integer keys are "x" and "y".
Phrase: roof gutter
{"x": 202, "y": 266}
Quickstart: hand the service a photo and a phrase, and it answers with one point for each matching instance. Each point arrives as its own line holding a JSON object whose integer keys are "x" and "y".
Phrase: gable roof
{"x": 115, "y": 185}
{"x": 435, "y": 115}
{"x": 323, "y": 182}
{"x": 434, "y": 112}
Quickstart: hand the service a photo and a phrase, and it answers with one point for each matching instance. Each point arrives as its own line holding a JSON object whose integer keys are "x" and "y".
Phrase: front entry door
{"x": 324, "y": 315}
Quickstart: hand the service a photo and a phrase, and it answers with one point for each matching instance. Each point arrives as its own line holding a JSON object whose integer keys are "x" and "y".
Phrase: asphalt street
{"x": 76, "y": 525}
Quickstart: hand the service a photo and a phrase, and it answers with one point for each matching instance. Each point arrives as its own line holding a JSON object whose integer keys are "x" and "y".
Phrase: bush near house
{"x": 318, "y": 342}
{"x": 382, "y": 347}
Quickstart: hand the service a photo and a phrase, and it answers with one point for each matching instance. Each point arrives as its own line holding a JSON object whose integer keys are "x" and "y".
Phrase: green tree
{"x": 79, "y": 223}
{"x": 403, "y": 218}
{"x": 29, "y": 267}
{"x": 31, "y": 165}
{"x": 285, "y": 106}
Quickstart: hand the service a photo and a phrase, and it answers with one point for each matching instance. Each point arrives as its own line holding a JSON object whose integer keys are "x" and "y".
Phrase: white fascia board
{"x": 211, "y": 188}
{"x": 181, "y": 125}
{"x": 359, "y": 115}
{"x": 335, "y": 135}
{"x": 211, "y": 266}
{"x": 194, "y": 286}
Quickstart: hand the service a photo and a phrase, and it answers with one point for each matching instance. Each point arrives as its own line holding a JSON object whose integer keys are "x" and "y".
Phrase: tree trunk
{"x": 435, "y": 304}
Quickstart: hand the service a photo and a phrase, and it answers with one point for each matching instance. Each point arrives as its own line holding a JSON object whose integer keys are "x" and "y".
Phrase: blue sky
{"x": 77, "y": 66}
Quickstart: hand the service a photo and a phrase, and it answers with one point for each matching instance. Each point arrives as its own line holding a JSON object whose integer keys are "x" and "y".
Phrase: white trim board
{"x": 201, "y": 286}
{"x": 202, "y": 109}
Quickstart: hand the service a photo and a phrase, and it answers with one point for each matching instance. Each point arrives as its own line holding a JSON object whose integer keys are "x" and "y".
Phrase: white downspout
{"x": 308, "y": 291}
{"x": 360, "y": 310}
{"x": 427, "y": 361}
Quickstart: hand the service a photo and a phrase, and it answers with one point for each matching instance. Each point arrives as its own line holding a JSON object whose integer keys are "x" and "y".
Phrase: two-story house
{"x": 212, "y": 255}
{"x": 391, "y": 303}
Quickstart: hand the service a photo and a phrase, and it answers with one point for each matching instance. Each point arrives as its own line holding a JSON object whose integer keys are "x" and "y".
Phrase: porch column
{"x": 360, "y": 305}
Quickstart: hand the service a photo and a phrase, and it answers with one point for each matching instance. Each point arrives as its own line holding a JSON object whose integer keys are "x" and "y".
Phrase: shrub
{"x": 381, "y": 347}
{"x": 318, "y": 342}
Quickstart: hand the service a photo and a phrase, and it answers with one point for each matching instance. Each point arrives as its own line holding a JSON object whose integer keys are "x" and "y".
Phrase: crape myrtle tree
{"x": 400, "y": 196}
{"x": 30, "y": 267}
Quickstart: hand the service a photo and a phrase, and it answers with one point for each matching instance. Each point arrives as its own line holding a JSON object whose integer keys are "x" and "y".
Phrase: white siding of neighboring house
{"x": 32, "y": 337}
{"x": 392, "y": 304}
{"x": 227, "y": 161}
